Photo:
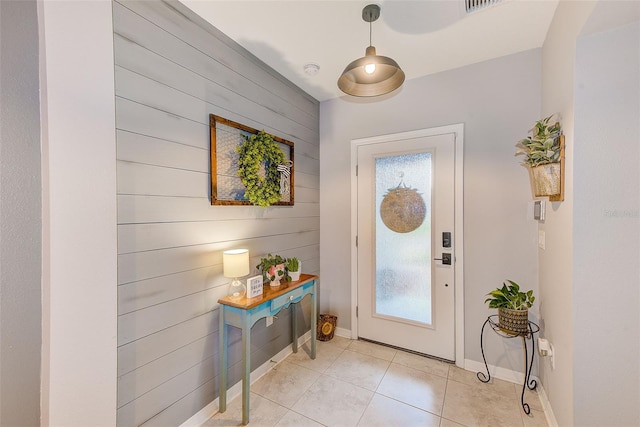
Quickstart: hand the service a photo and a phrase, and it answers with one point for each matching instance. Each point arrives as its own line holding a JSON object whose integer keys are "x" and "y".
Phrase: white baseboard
{"x": 496, "y": 372}
{"x": 517, "y": 378}
{"x": 546, "y": 406}
{"x": 344, "y": 333}
{"x": 234, "y": 391}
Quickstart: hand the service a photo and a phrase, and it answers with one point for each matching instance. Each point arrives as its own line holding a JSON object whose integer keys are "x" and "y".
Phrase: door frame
{"x": 458, "y": 130}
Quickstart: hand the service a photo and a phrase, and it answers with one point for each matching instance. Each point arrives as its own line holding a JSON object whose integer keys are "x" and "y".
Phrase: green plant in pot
{"x": 542, "y": 151}
{"x": 294, "y": 268}
{"x": 273, "y": 268}
{"x": 513, "y": 307}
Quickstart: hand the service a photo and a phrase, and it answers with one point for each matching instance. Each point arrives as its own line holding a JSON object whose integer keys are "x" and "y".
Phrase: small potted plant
{"x": 513, "y": 307}
{"x": 542, "y": 151}
{"x": 294, "y": 268}
{"x": 273, "y": 269}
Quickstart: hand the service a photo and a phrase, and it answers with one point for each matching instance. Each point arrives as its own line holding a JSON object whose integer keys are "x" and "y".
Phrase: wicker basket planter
{"x": 546, "y": 179}
{"x": 513, "y": 321}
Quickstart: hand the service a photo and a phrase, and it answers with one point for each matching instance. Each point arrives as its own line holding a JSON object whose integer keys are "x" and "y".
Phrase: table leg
{"x": 525, "y": 406}
{"x": 528, "y": 366}
{"x": 314, "y": 319}
{"x": 222, "y": 363}
{"x": 294, "y": 328}
{"x": 246, "y": 368}
{"x": 481, "y": 376}
{"x": 532, "y": 384}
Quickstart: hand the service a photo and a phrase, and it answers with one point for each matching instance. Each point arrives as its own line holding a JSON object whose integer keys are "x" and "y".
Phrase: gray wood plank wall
{"x": 172, "y": 71}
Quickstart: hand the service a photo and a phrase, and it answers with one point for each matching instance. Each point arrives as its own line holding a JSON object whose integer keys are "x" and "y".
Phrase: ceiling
{"x": 422, "y": 36}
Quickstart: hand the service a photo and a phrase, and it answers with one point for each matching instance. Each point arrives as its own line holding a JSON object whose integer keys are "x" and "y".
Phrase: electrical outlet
{"x": 269, "y": 320}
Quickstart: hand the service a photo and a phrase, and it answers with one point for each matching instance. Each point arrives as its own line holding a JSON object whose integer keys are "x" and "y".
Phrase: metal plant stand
{"x": 528, "y": 364}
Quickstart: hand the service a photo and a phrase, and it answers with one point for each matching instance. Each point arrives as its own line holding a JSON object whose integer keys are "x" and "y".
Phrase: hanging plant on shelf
{"x": 543, "y": 151}
{"x": 259, "y": 157}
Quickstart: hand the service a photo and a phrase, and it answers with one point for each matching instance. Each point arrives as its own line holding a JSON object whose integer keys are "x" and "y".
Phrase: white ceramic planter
{"x": 295, "y": 275}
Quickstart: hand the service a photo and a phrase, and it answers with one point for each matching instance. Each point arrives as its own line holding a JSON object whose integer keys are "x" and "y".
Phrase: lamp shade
{"x": 235, "y": 263}
{"x": 371, "y": 75}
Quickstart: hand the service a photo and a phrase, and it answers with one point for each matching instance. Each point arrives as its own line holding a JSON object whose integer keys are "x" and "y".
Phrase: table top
{"x": 268, "y": 293}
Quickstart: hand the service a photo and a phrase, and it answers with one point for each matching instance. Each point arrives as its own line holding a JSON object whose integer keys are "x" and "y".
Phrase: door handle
{"x": 446, "y": 258}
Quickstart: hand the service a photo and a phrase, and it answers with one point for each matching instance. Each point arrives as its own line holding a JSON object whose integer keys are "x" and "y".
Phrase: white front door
{"x": 406, "y": 242}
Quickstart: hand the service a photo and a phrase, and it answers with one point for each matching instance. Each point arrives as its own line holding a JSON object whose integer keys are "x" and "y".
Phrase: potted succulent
{"x": 513, "y": 307}
{"x": 294, "y": 268}
{"x": 542, "y": 151}
{"x": 273, "y": 269}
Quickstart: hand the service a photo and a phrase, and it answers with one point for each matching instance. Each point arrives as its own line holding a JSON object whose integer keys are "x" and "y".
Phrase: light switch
{"x": 541, "y": 239}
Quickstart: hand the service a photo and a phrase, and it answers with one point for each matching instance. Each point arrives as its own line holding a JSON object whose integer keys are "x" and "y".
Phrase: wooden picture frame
{"x": 226, "y": 186}
{"x": 560, "y": 197}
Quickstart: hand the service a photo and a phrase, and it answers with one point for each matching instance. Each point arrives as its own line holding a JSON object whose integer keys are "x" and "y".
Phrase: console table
{"x": 244, "y": 313}
{"x": 532, "y": 329}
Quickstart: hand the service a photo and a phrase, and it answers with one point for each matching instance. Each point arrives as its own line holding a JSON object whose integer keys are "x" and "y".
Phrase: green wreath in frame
{"x": 258, "y": 149}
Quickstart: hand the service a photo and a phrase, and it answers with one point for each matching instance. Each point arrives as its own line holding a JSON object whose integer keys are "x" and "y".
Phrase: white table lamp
{"x": 236, "y": 264}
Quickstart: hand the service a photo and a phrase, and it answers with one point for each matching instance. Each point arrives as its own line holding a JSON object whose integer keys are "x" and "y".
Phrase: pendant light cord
{"x": 369, "y": 33}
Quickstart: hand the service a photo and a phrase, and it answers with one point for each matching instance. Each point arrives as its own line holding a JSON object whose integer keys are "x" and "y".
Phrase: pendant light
{"x": 371, "y": 75}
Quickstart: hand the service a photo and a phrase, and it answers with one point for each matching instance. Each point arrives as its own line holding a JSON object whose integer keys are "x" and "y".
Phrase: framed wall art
{"x": 254, "y": 286}
{"x": 248, "y": 166}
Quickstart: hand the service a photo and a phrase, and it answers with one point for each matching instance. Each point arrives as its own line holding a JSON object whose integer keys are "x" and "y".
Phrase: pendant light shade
{"x": 371, "y": 75}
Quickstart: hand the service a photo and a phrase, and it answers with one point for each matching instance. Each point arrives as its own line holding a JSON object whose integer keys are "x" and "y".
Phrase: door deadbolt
{"x": 446, "y": 239}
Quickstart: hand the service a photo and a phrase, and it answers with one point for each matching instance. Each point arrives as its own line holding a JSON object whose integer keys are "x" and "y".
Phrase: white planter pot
{"x": 295, "y": 275}
{"x": 277, "y": 272}
{"x": 274, "y": 283}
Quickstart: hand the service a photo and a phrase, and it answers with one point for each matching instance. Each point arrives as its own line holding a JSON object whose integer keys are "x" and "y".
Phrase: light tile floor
{"x": 357, "y": 383}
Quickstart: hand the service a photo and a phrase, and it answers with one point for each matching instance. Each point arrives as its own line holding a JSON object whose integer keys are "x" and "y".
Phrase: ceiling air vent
{"x": 475, "y": 5}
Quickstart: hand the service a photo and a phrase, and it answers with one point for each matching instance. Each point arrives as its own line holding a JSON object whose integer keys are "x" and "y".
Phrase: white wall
{"x": 498, "y": 101}
{"x": 588, "y": 87}
{"x": 556, "y": 281}
{"x": 606, "y": 264}
{"x": 79, "y": 214}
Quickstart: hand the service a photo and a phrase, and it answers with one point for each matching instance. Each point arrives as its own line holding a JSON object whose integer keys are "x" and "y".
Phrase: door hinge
{"x": 356, "y": 241}
{"x": 356, "y": 170}
{"x": 356, "y": 311}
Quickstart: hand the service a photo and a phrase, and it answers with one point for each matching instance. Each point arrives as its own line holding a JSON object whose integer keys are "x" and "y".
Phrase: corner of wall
{"x": 556, "y": 261}
{"x": 79, "y": 213}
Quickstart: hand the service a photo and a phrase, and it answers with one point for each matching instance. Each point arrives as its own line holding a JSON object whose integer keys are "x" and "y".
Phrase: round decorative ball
{"x": 403, "y": 209}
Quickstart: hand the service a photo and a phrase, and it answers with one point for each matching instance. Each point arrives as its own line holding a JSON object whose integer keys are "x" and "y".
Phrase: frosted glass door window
{"x": 403, "y": 237}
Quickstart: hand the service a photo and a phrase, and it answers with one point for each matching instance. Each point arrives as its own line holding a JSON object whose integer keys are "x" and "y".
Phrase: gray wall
{"x": 498, "y": 101}
{"x": 173, "y": 70}
{"x": 607, "y": 228}
{"x": 20, "y": 216}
